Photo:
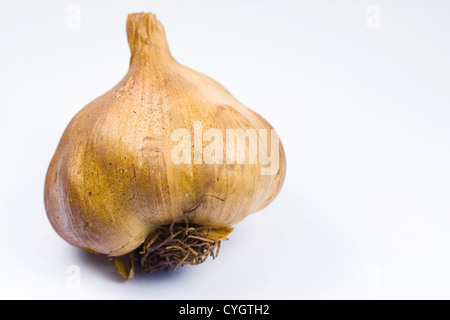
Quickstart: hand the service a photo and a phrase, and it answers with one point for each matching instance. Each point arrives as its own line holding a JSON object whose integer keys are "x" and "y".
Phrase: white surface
{"x": 363, "y": 114}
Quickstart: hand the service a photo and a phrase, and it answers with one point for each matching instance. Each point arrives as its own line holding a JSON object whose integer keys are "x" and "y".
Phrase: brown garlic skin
{"x": 111, "y": 181}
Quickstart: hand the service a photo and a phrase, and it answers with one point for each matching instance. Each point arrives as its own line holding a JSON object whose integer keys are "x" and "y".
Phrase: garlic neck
{"x": 146, "y": 38}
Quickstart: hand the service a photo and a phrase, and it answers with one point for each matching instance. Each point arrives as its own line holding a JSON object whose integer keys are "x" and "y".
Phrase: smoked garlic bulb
{"x": 160, "y": 150}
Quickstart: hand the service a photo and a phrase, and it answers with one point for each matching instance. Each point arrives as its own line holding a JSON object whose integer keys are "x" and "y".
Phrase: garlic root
{"x": 181, "y": 244}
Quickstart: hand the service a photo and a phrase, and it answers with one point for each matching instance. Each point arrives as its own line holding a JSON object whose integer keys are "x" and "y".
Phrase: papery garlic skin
{"x": 112, "y": 181}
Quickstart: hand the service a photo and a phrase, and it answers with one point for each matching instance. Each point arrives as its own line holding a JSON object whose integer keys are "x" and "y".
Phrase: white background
{"x": 361, "y": 102}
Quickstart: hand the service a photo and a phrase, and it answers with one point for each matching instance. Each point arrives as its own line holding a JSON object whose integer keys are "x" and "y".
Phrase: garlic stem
{"x": 146, "y": 37}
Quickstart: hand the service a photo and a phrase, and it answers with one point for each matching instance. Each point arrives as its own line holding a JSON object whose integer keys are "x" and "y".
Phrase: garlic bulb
{"x": 160, "y": 151}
